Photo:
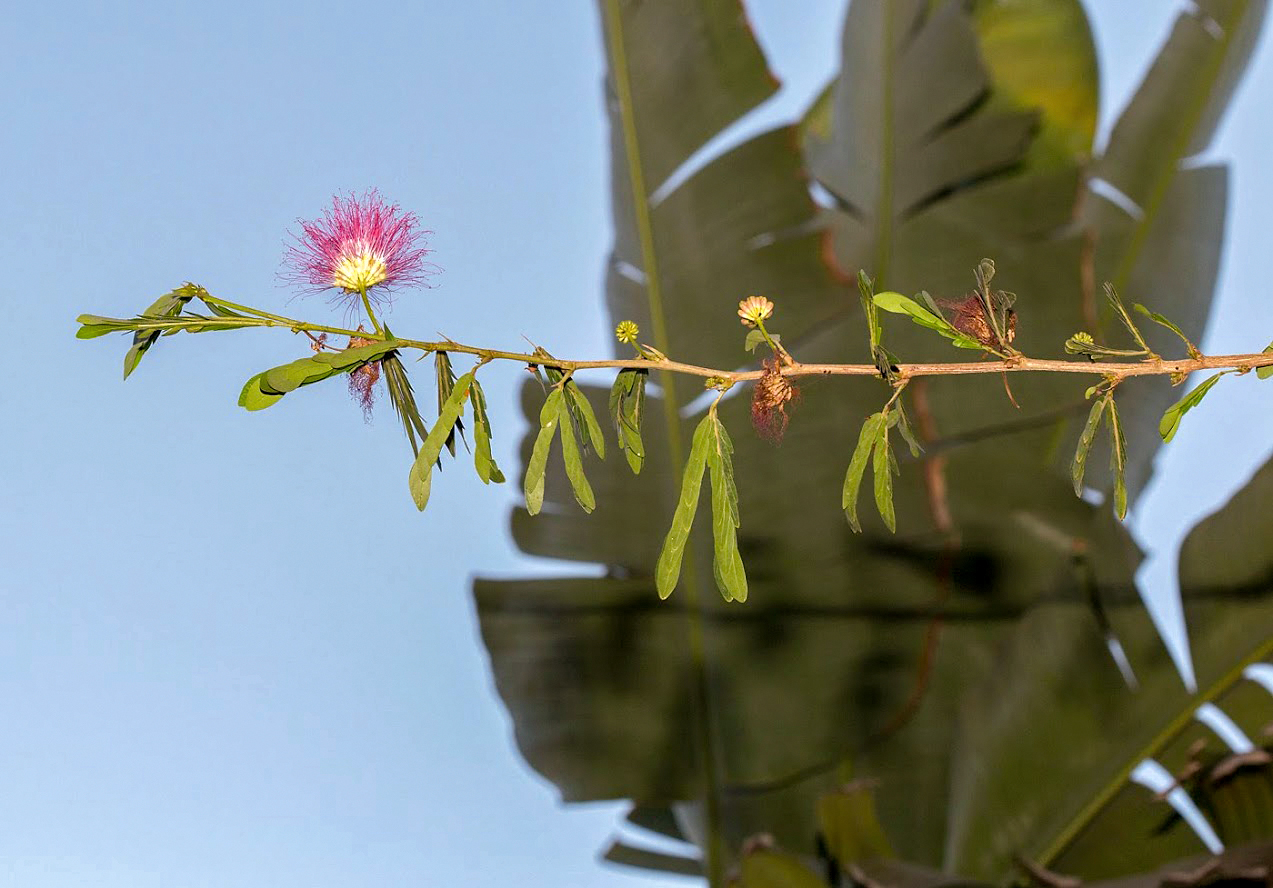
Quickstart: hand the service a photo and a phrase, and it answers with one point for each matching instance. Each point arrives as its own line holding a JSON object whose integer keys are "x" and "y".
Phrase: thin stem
{"x": 897, "y": 392}
{"x": 314, "y": 339}
{"x": 1117, "y": 372}
{"x": 779, "y": 352}
{"x": 366, "y": 303}
{"x": 247, "y": 308}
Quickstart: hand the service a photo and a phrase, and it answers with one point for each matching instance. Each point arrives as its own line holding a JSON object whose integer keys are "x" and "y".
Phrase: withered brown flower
{"x": 968, "y": 316}
{"x": 769, "y": 402}
{"x": 362, "y": 382}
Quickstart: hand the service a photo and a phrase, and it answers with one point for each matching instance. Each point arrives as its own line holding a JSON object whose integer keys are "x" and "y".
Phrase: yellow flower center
{"x": 359, "y": 268}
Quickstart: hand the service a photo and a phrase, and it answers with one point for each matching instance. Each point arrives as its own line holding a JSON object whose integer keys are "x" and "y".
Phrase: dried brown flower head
{"x": 769, "y": 402}
{"x": 968, "y": 316}
{"x": 362, "y": 382}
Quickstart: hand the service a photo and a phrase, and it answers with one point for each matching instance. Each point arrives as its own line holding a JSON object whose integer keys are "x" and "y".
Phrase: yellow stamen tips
{"x": 626, "y": 332}
{"x": 754, "y": 309}
{"x": 359, "y": 268}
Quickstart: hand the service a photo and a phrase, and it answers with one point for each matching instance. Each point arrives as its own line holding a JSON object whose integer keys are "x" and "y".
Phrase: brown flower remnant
{"x": 769, "y": 402}
{"x": 969, "y": 318}
{"x": 362, "y": 382}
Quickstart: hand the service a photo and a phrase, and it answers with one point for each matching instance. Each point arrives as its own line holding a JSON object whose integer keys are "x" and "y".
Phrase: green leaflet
{"x": 627, "y": 407}
{"x": 446, "y": 382}
{"x": 1079, "y": 466}
{"x": 1082, "y": 344}
{"x": 668, "y": 570}
{"x": 549, "y": 419}
{"x": 1117, "y": 451}
{"x": 1117, "y": 459}
{"x": 574, "y": 467}
{"x": 168, "y": 305}
{"x": 419, "y": 479}
{"x": 931, "y": 304}
{"x": 1171, "y": 419}
{"x": 402, "y": 397}
{"x": 1116, "y": 303}
{"x": 1265, "y": 372}
{"x": 218, "y": 309}
{"x": 96, "y": 325}
{"x": 755, "y": 338}
{"x": 252, "y": 398}
{"x": 1159, "y": 319}
{"x": 899, "y": 304}
{"x": 866, "y": 289}
{"x": 290, "y": 377}
{"x": 590, "y": 427}
{"x": 884, "y": 465}
{"x": 483, "y": 462}
{"x": 904, "y": 427}
{"x": 727, "y": 564}
{"x": 871, "y": 429}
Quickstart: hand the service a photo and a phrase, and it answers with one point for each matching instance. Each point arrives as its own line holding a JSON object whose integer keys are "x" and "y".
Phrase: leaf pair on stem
{"x": 466, "y": 388}
{"x": 563, "y": 402}
{"x": 873, "y": 446}
{"x": 711, "y": 449}
{"x": 1104, "y": 408}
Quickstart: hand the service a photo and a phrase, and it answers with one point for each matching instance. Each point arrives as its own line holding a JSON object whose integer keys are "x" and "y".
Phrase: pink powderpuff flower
{"x": 360, "y": 244}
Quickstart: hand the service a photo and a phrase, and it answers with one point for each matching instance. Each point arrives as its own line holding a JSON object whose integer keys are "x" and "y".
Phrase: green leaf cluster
{"x": 884, "y": 360}
{"x": 562, "y": 405}
{"x": 402, "y": 396}
{"x": 711, "y": 449}
{"x": 1164, "y": 322}
{"x": 627, "y": 408}
{"x": 1084, "y": 344}
{"x": 903, "y": 305}
{"x": 1103, "y": 408}
{"x": 1176, "y": 412}
{"x": 873, "y": 446}
{"x": 420, "y": 478}
{"x": 149, "y": 325}
{"x": 266, "y": 388}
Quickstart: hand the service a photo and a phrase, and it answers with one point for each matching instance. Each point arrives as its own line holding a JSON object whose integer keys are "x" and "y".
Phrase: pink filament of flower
{"x": 357, "y": 233}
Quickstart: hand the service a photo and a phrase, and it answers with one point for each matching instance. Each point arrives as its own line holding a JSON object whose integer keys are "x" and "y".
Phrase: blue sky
{"x": 233, "y": 654}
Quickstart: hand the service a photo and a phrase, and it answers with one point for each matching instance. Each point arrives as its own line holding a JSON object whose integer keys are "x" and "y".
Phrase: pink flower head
{"x": 359, "y": 244}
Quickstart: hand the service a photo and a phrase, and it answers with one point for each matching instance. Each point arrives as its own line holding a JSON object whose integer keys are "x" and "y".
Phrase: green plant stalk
{"x": 884, "y": 198}
{"x": 705, "y": 728}
{"x": 777, "y": 349}
{"x": 1173, "y": 729}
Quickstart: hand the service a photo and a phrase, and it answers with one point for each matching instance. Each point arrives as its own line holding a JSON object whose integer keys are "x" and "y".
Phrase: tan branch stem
{"x": 1018, "y": 364}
